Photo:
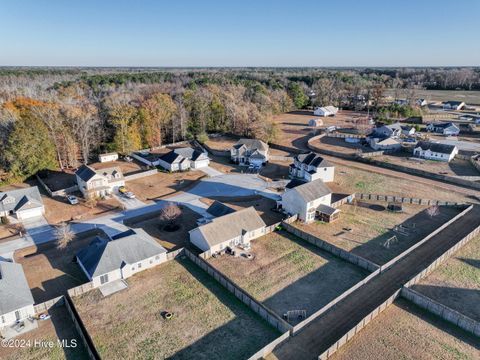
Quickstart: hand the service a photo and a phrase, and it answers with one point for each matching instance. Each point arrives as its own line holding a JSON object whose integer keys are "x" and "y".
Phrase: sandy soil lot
{"x": 367, "y": 229}
{"x": 289, "y": 274}
{"x": 59, "y": 327}
{"x": 157, "y": 186}
{"x": 404, "y": 331}
{"x": 126, "y": 167}
{"x": 50, "y": 272}
{"x": 170, "y": 240}
{"x": 456, "y": 283}
{"x": 207, "y": 319}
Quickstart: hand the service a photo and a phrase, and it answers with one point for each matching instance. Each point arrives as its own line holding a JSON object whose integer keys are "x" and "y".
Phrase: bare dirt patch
{"x": 126, "y": 167}
{"x": 58, "y": 328}
{"x": 221, "y": 143}
{"x": 287, "y": 273}
{"x": 367, "y": 230}
{"x": 207, "y": 319}
{"x": 50, "y": 272}
{"x": 456, "y": 283}
{"x": 405, "y": 331}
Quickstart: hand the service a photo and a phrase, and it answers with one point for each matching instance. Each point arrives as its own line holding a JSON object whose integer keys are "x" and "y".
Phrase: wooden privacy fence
{"x": 446, "y": 313}
{"x": 345, "y": 255}
{"x": 141, "y": 174}
{"x": 47, "y": 305}
{"x": 264, "y": 312}
{"x": 405, "y": 200}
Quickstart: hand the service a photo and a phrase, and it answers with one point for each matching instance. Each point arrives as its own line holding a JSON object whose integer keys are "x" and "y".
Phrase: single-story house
{"x": 172, "y": 161}
{"x": 249, "y": 151}
{"x": 315, "y": 122}
{"x": 389, "y": 143}
{"x": 444, "y": 128}
{"x": 113, "y": 156}
{"x": 407, "y": 130}
{"x": 311, "y": 167}
{"x": 325, "y": 111}
{"x": 435, "y": 151}
{"x": 198, "y": 159}
{"x": 120, "y": 256}
{"x": 96, "y": 183}
{"x": 453, "y": 105}
{"x": 24, "y": 203}
{"x": 16, "y": 300}
{"x": 234, "y": 229}
{"x": 305, "y": 199}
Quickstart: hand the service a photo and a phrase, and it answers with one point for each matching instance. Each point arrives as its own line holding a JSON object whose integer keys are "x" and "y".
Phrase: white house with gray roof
{"x": 96, "y": 183}
{"x": 311, "y": 167}
{"x": 307, "y": 199}
{"x": 22, "y": 203}
{"x": 234, "y": 229}
{"x": 16, "y": 300}
{"x": 183, "y": 159}
{"x": 249, "y": 151}
{"x": 120, "y": 256}
{"x": 435, "y": 151}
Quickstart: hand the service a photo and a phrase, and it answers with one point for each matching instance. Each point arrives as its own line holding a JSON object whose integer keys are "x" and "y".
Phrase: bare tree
{"x": 170, "y": 215}
{"x": 64, "y": 235}
{"x": 433, "y": 211}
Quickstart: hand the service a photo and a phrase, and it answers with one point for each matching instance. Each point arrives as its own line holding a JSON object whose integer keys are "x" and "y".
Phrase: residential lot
{"x": 456, "y": 283}
{"x": 157, "y": 186}
{"x": 58, "y": 328}
{"x": 207, "y": 320}
{"x": 368, "y": 229}
{"x": 170, "y": 240}
{"x": 127, "y": 168}
{"x": 50, "y": 272}
{"x": 404, "y": 331}
{"x": 287, "y": 273}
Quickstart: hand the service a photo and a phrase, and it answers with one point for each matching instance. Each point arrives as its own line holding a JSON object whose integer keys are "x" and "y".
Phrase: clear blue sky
{"x": 239, "y": 33}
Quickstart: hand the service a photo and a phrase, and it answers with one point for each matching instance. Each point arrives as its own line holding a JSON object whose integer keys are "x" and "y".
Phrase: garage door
{"x": 29, "y": 213}
{"x": 200, "y": 163}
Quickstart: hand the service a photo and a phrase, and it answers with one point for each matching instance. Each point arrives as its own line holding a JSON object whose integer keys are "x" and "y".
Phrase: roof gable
{"x": 311, "y": 191}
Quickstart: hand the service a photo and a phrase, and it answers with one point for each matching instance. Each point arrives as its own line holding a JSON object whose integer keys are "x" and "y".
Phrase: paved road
{"x": 327, "y": 329}
{"x": 129, "y": 203}
{"x": 210, "y": 171}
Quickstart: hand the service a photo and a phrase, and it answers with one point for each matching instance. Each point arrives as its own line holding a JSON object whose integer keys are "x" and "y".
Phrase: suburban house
{"x": 315, "y": 122}
{"x": 113, "y": 156}
{"x": 435, "y": 151}
{"x": 453, "y": 105}
{"x": 421, "y": 102}
{"x": 197, "y": 158}
{"x": 384, "y": 131}
{"x": 444, "y": 128}
{"x": 309, "y": 200}
{"x": 407, "y": 130}
{"x": 325, "y": 111}
{"x": 22, "y": 203}
{"x": 96, "y": 183}
{"x": 183, "y": 159}
{"x": 249, "y": 151}
{"x": 386, "y": 144}
{"x": 311, "y": 167}
{"x": 120, "y": 256}
{"x": 234, "y": 229}
{"x": 16, "y": 300}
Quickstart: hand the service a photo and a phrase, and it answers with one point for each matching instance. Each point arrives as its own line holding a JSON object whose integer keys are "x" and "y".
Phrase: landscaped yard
{"x": 367, "y": 228}
{"x": 170, "y": 240}
{"x": 208, "y": 322}
{"x": 404, "y": 331}
{"x": 287, "y": 273}
{"x": 58, "y": 328}
{"x": 50, "y": 272}
{"x": 456, "y": 283}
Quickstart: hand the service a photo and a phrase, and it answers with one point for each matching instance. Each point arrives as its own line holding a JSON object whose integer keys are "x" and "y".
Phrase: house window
{"x": 3, "y": 319}
{"x": 104, "y": 279}
{"x": 139, "y": 265}
{"x": 157, "y": 257}
{"x": 151, "y": 261}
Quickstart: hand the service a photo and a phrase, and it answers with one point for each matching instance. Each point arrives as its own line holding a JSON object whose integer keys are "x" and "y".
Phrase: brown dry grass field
{"x": 470, "y": 97}
{"x": 403, "y": 331}
{"x": 170, "y": 240}
{"x": 350, "y": 180}
{"x": 221, "y": 143}
{"x": 287, "y": 273}
{"x": 59, "y": 327}
{"x": 208, "y": 321}
{"x": 126, "y": 167}
{"x": 162, "y": 184}
{"x": 372, "y": 229}
{"x": 456, "y": 283}
{"x": 50, "y": 272}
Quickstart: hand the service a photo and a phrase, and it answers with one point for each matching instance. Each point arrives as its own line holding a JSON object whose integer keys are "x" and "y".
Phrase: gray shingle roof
{"x": 20, "y": 199}
{"x": 436, "y": 147}
{"x": 231, "y": 226}
{"x": 190, "y": 153}
{"x": 325, "y": 209}
{"x": 252, "y": 144}
{"x": 14, "y": 290}
{"x": 105, "y": 255}
{"x": 312, "y": 190}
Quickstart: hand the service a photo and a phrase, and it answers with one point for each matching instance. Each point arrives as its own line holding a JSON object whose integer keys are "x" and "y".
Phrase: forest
{"x": 63, "y": 117}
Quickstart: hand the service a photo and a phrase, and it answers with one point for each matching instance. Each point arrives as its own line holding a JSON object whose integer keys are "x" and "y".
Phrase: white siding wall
{"x": 9, "y": 319}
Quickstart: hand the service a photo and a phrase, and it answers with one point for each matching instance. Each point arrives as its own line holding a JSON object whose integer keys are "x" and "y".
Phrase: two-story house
{"x": 311, "y": 167}
{"x": 249, "y": 151}
{"x": 96, "y": 183}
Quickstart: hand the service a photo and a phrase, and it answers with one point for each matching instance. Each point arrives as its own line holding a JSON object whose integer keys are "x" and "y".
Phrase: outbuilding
{"x": 325, "y": 111}
{"x": 113, "y": 156}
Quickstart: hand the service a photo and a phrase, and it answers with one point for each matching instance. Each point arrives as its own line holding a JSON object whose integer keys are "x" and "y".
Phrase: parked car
{"x": 122, "y": 190}
{"x": 129, "y": 195}
{"x": 72, "y": 199}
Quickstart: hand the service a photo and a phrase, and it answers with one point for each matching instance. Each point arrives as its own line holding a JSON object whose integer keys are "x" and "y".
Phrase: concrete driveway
{"x": 128, "y": 203}
{"x": 210, "y": 171}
